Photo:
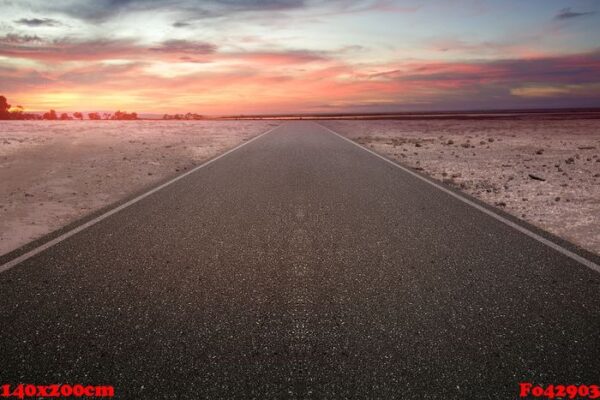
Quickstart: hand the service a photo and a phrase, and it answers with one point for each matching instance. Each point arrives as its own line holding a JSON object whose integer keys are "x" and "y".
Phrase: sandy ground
{"x": 52, "y": 173}
{"x": 501, "y": 162}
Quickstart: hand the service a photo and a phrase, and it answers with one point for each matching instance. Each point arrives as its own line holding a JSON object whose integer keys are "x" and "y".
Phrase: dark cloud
{"x": 293, "y": 57}
{"x": 262, "y": 4}
{"x": 185, "y": 47}
{"x": 32, "y": 47}
{"x": 570, "y": 69}
{"x": 100, "y": 10}
{"x": 181, "y": 24}
{"x": 14, "y": 39}
{"x": 567, "y": 13}
{"x": 35, "y": 22}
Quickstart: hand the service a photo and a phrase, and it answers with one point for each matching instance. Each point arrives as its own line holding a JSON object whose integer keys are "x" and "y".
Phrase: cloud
{"x": 107, "y": 74}
{"x": 35, "y": 22}
{"x": 557, "y": 91}
{"x": 175, "y": 50}
{"x": 34, "y": 48}
{"x": 327, "y": 82}
{"x": 14, "y": 39}
{"x": 294, "y": 48}
{"x": 567, "y": 13}
{"x": 101, "y": 10}
{"x": 262, "y": 4}
{"x": 448, "y": 44}
{"x": 23, "y": 80}
{"x": 185, "y": 47}
{"x": 540, "y": 91}
{"x": 569, "y": 69}
{"x": 180, "y": 24}
{"x": 290, "y": 57}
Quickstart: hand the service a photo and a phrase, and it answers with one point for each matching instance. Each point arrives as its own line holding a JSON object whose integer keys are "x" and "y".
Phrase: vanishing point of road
{"x": 300, "y": 266}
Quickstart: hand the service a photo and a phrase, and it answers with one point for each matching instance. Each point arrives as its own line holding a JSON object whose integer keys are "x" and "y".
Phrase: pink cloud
{"x": 258, "y": 78}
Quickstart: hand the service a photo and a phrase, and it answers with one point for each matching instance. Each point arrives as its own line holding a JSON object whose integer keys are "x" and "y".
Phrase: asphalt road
{"x": 300, "y": 266}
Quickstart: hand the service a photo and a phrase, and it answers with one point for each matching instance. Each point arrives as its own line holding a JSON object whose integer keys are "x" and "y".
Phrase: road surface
{"x": 300, "y": 266}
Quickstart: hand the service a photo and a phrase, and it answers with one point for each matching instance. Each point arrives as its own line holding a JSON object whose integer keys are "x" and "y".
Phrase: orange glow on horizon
{"x": 259, "y": 57}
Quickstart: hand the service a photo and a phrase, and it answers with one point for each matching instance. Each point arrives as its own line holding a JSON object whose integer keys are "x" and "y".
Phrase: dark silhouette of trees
{"x": 16, "y": 112}
{"x": 50, "y": 115}
{"x": 4, "y": 107}
{"x": 8, "y": 112}
{"x": 188, "y": 116}
{"x": 122, "y": 115}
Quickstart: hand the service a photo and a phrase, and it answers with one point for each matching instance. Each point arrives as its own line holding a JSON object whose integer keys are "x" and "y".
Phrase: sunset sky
{"x": 291, "y": 56}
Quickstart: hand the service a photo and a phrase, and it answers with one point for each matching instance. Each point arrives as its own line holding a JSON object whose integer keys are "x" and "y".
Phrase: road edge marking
{"x": 25, "y": 256}
{"x": 574, "y": 256}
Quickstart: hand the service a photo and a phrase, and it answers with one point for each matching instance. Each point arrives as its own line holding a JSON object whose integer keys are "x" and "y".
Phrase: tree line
{"x": 7, "y": 112}
{"x": 188, "y": 116}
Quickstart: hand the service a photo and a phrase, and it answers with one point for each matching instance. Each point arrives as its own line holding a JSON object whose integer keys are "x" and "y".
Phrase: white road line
{"x": 47, "y": 245}
{"x": 588, "y": 263}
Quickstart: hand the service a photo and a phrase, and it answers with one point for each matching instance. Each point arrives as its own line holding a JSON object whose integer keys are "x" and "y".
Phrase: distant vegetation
{"x": 122, "y": 115}
{"x": 188, "y": 116}
{"x": 7, "y": 112}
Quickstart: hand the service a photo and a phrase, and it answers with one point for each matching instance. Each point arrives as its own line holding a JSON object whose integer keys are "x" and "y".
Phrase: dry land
{"x": 544, "y": 171}
{"x": 53, "y": 173}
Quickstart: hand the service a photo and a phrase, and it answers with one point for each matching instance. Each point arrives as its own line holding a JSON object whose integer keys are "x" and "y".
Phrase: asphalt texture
{"x": 300, "y": 266}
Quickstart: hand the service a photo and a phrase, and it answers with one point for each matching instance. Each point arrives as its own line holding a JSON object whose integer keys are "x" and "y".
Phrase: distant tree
{"x": 94, "y": 116}
{"x": 50, "y": 115}
{"x": 17, "y": 113}
{"x": 188, "y": 116}
{"x": 4, "y": 107}
{"x": 107, "y": 115}
{"x": 65, "y": 117}
{"x": 78, "y": 115}
{"x": 123, "y": 115}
